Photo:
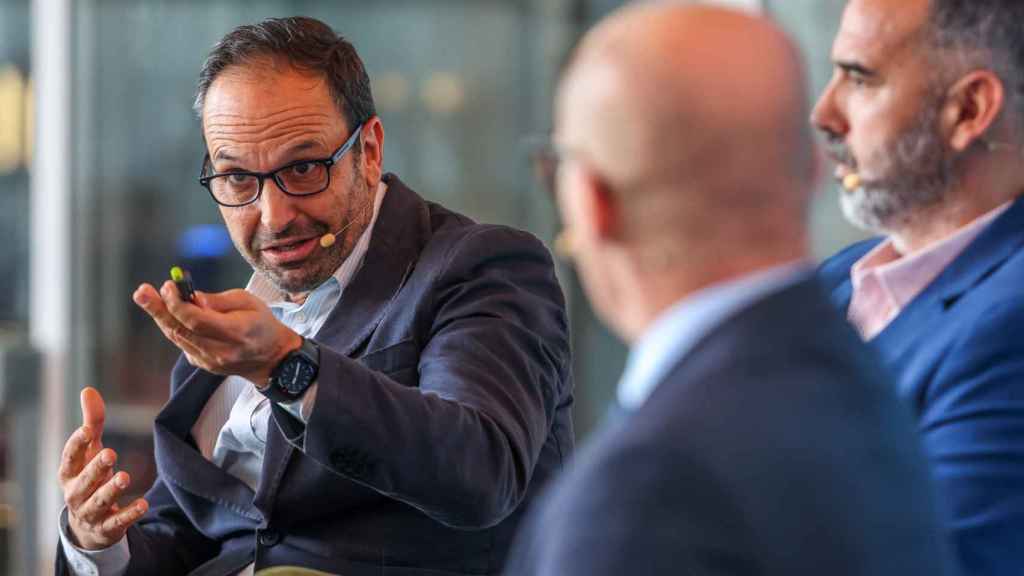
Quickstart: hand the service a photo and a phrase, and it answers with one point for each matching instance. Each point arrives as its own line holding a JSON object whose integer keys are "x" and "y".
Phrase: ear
{"x": 973, "y": 104}
{"x": 602, "y": 207}
{"x": 371, "y": 147}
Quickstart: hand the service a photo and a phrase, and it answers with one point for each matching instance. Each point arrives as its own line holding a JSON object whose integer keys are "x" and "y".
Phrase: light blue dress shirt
{"x": 679, "y": 328}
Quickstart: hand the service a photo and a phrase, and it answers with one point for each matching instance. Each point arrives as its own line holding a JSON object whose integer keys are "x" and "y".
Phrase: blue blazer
{"x": 443, "y": 405}
{"x": 776, "y": 446}
{"x": 957, "y": 352}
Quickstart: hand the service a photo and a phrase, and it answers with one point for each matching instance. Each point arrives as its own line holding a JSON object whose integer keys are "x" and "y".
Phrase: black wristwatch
{"x": 290, "y": 379}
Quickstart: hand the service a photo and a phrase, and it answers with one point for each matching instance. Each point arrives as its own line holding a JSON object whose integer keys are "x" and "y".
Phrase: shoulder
{"x": 659, "y": 473}
{"x": 459, "y": 235}
{"x": 666, "y": 505}
{"x": 460, "y": 247}
{"x": 836, "y": 268}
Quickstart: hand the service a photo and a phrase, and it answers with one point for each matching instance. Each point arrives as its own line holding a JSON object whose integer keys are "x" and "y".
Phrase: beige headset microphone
{"x": 328, "y": 240}
{"x": 851, "y": 181}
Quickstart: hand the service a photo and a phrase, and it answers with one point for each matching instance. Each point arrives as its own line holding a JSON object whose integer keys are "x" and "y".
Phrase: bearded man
{"x": 924, "y": 117}
{"x": 386, "y": 396}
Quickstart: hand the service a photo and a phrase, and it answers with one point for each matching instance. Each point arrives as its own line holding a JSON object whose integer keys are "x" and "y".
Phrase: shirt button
{"x": 269, "y": 538}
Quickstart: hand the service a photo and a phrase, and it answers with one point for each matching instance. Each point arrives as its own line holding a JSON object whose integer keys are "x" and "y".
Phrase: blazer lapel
{"x": 398, "y": 236}
{"x": 982, "y": 257}
{"x": 180, "y": 464}
{"x": 841, "y": 296}
{"x": 276, "y": 456}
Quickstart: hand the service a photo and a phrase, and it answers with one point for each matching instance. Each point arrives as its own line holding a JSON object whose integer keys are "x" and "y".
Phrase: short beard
{"x": 321, "y": 265}
{"x": 918, "y": 173}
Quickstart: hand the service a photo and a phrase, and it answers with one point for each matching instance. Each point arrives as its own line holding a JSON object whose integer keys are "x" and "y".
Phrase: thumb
{"x": 94, "y": 412}
{"x": 224, "y": 302}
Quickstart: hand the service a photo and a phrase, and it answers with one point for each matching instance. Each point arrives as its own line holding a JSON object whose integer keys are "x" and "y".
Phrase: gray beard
{"x": 918, "y": 173}
{"x": 324, "y": 264}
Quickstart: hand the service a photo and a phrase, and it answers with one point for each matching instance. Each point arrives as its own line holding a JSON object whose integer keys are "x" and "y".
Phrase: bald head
{"x": 694, "y": 115}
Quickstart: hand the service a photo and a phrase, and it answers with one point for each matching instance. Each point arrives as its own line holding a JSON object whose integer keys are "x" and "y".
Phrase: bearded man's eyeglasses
{"x": 300, "y": 178}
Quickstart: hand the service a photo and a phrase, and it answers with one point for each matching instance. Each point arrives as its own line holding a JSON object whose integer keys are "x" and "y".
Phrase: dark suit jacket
{"x": 443, "y": 404}
{"x": 957, "y": 351}
{"x": 774, "y": 447}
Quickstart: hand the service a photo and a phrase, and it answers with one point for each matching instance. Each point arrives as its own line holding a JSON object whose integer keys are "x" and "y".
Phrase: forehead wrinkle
{"x": 266, "y": 149}
{"x": 244, "y": 130}
{"x": 308, "y": 114}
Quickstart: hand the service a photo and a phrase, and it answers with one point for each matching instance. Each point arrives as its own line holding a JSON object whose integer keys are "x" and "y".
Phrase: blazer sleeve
{"x": 972, "y": 423}
{"x": 462, "y": 446}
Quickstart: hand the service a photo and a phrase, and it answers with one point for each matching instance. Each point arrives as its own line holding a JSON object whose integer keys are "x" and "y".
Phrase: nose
{"x": 277, "y": 209}
{"x": 827, "y": 115}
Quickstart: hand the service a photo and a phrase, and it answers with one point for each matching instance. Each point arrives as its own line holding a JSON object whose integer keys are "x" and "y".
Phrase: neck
{"x": 657, "y": 292}
{"x": 297, "y": 297}
{"x": 965, "y": 204}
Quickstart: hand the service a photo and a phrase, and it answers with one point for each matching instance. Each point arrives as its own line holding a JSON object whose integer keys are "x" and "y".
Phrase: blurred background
{"x": 99, "y": 158}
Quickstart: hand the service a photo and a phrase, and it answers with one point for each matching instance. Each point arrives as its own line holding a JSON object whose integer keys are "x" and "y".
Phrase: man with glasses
{"x": 755, "y": 433}
{"x": 386, "y": 395}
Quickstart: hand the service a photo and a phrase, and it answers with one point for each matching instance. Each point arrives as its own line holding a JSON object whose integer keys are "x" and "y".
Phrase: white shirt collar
{"x": 678, "y": 329}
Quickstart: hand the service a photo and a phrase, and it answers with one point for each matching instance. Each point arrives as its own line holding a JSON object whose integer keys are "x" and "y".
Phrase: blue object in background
{"x": 204, "y": 250}
{"x": 204, "y": 241}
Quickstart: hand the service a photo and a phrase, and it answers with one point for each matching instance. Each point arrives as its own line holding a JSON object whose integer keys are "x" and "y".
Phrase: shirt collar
{"x": 680, "y": 327}
{"x": 264, "y": 289}
{"x": 904, "y": 277}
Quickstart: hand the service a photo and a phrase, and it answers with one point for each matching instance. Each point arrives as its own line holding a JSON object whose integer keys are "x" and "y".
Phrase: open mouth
{"x": 291, "y": 252}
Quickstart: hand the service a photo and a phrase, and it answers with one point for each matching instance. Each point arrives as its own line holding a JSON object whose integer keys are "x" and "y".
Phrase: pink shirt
{"x": 884, "y": 282}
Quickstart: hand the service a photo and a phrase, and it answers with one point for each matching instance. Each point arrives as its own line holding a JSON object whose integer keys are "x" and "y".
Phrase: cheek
{"x": 241, "y": 224}
{"x": 874, "y": 119}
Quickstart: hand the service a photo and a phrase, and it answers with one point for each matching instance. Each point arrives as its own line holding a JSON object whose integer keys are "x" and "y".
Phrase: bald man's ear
{"x": 603, "y": 207}
{"x": 972, "y": 106}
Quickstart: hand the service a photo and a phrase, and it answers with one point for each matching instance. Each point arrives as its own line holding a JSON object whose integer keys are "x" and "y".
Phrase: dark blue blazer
{"x": 443, "y": 405}
{"x": 775, "y": 446}
{"x": 957, "y": 351}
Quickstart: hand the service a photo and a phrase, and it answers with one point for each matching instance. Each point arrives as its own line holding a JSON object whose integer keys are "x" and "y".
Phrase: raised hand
{"x": 91, "y": 485}
{"x": 229, "y": 333}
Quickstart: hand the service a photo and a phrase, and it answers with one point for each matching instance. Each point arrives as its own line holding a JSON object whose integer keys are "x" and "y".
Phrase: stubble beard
{"x": 917, "y": 173}
{"x": 307, "y": 275}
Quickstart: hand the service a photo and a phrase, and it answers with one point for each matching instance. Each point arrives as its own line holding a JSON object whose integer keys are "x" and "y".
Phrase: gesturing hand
{"x": 227, "y": 333}
{"x": 91, "y": 486}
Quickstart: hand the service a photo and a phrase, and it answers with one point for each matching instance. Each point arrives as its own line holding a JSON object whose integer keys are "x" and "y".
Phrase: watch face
{"x": 296, "y": 375}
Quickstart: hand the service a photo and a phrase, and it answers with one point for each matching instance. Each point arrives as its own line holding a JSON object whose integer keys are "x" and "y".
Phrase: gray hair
{"x": 986, "y": 33}
{"x": 305, "y": 43}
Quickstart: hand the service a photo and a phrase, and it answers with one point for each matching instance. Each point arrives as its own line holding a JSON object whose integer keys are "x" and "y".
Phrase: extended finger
{"x": 95, "y": 473}
{"x": 205, "y": 322}
{"x": 234, "y": 300}
{"x": 119, "y": 521}
{"x": 72, "y": 460}
{"x": 94, "y": 411}
{"x": 154, "y": 305}
{"x": 103, "y": 501}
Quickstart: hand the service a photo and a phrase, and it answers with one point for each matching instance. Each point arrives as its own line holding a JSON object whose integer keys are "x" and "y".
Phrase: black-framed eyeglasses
{"x": 300, "y": 178}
